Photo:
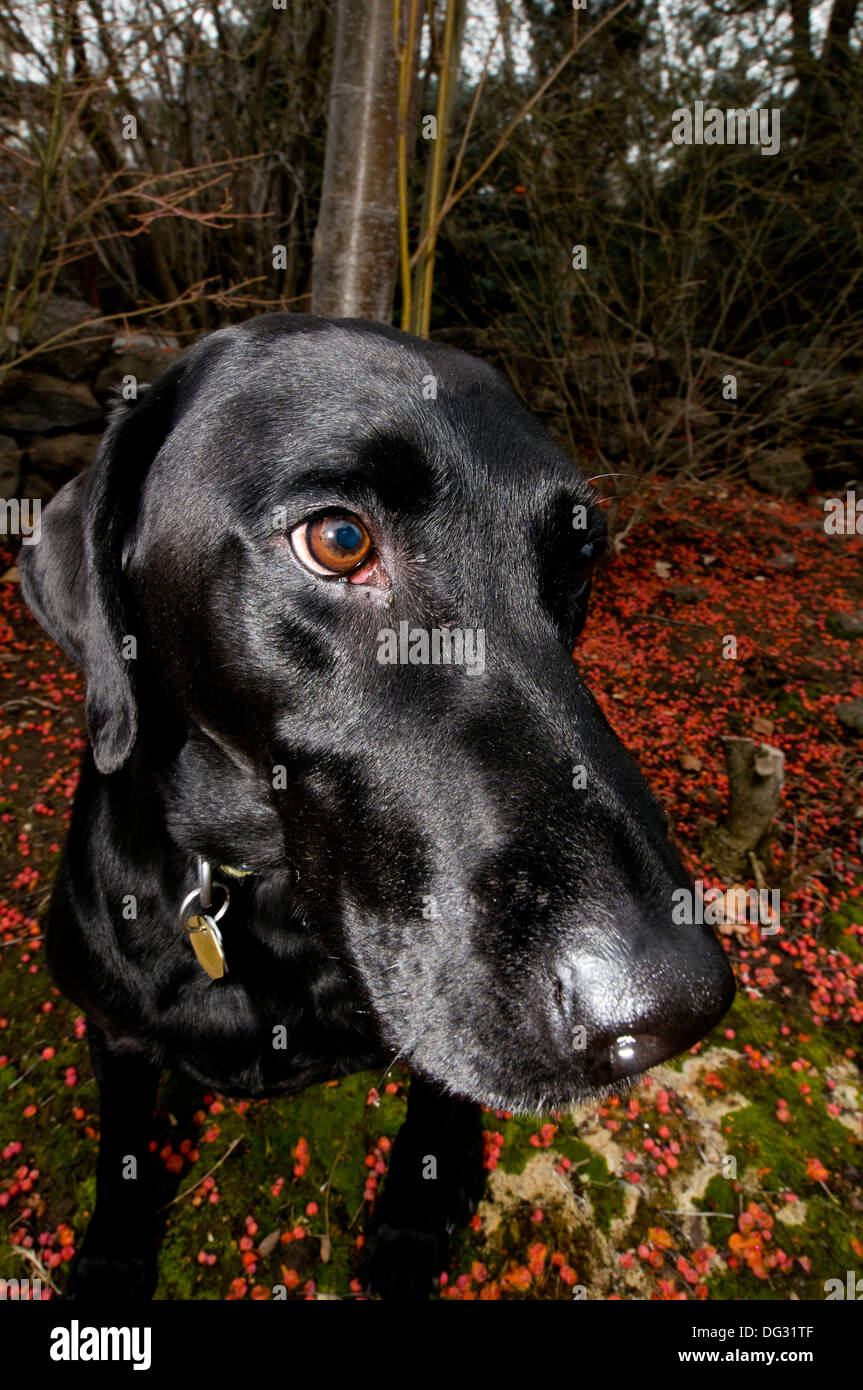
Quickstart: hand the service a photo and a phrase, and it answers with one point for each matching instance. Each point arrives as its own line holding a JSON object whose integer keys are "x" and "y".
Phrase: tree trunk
{"x": 355, "y": 255}
{"x": 755, "y": 777}
{"x": 453, "y": 32}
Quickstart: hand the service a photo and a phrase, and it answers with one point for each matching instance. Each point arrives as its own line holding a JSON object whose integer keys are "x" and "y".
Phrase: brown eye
{"x": 586, "y": 561}
{"x": 336, "y": 544}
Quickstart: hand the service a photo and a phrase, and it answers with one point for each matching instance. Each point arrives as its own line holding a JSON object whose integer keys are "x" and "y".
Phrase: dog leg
{"x": 118, "y": 1256}
{"x": 434, "y": 1183}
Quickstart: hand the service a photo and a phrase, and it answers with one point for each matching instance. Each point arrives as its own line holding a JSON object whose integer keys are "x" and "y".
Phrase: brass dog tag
{"x": 206, "y": 941}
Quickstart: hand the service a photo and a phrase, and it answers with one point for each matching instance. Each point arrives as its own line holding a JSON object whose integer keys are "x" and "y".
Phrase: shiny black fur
{"x": 429, "y": 883}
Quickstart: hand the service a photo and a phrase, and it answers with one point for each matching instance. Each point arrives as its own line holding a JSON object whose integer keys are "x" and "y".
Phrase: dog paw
{"x": 100, "y": 1276}
{"x": 109, "y": 1274}
{"x": 400, "y": 1264}
{"x": 407, "y": 1245}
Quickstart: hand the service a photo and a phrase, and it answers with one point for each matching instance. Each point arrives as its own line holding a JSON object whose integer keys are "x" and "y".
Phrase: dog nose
{"x": 621, "y": 1022}
{"x": 612, "y": 1059}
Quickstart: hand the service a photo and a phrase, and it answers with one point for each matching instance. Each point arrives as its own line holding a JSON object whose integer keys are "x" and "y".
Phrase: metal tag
{"x": 206, "y": 941}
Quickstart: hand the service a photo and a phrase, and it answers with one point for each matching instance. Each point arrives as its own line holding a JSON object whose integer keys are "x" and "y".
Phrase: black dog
{"x": 324, "y": 581}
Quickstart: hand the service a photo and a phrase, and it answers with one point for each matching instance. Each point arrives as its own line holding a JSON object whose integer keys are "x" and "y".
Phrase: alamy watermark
{"x": 21, "y": 517}
{"x": 843, "y": 516}
{"x": 720, "y": 906}
{"x": 852, "y": 1288}
{"x": 77, "y": 1343}
{"x": 436, "y": 646}
{"x": 735, "y": 126}
{"x": 21, "y": 1290}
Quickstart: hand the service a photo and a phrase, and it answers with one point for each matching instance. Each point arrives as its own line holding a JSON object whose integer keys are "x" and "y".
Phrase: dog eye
{"x": 335, "y": 544}
{"x": 586, "y": 561}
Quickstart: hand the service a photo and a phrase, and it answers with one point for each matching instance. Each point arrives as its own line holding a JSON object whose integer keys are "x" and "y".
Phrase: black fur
{"x": 428, "y": 884}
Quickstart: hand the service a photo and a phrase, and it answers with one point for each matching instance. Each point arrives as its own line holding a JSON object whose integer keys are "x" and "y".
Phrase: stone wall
{"x": 53, "y": 409}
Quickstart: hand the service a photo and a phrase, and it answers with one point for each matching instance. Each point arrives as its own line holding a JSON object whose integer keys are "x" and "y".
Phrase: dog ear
{"x": 73, "y": 580}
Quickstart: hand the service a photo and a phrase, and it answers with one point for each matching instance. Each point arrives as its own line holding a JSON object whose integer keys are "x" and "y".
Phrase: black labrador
{"x": 346, "y": 798}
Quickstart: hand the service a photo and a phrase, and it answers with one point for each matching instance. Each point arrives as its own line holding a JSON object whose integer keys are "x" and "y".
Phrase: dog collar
{"x": 200, "y": 921}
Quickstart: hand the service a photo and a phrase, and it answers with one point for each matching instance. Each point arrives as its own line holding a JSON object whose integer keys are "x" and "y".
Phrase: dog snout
{"x": 625, "y": 1018}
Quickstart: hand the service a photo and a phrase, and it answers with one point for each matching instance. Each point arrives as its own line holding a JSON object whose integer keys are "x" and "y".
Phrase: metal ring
{"x": 205, "y": 882}
{"x": 195, "y": 893}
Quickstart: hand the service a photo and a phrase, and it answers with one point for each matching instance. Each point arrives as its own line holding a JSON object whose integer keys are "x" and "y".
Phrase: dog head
{"x": 326, "y": 579}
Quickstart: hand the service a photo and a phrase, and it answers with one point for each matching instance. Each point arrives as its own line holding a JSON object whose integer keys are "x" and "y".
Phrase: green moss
{"x": 517, "y": 1149}
{"x": 780, "y": 1151}
{"x": 719, "y": 1196}
{"x": 837, "y": 933}
{"x": 794, "y": 702}
{"x": 835, "y": 627}
{"x": 341, "y": 1129}
{"x": 824, "y": 1242}
{"x": 772, "y": 1158}
{"x": 607, "y": 1195}
{"x": 177, "y": 1272}
{"x": 790, "y": 702}
{"x": 758, "y": 1022}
